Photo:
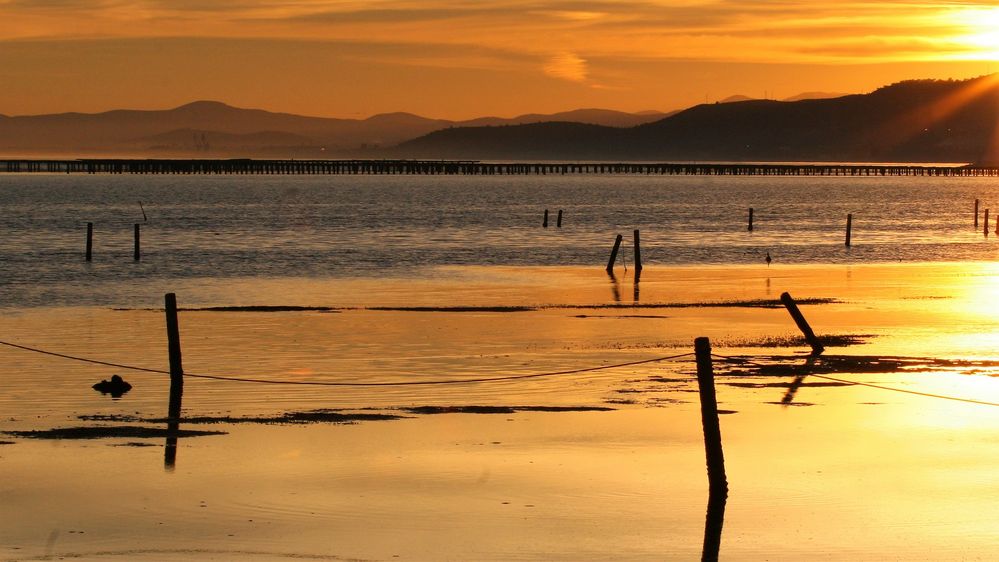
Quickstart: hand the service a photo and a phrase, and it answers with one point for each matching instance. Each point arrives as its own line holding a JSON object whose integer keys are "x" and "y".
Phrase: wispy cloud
{"x": 790, "y": 31}
{"x": 567, "y": 66}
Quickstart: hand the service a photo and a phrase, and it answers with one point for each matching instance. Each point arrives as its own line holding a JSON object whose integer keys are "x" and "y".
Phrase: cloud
{"x": 859, "y": 31}
{"x": 567, "y": 66}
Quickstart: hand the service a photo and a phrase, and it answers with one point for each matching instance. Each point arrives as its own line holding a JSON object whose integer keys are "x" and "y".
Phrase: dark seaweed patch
{"x": 101, "y": 432}
{"x": 430, "y": 410}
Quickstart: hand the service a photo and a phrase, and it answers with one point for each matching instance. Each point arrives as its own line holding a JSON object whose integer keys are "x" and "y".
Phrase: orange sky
{"x": 467, "y": 58}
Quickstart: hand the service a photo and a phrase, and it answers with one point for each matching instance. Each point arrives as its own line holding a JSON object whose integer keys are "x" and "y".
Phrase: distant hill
{"x": 214, "y": 129}
{"x": 917, "y": 120}
{"x": 735, "y": 98}
{"x": 815, "y": 96}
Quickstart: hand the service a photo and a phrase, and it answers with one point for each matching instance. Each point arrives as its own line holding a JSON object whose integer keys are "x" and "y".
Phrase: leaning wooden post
{"x": 750, "y": 219}
{"x": 717, "y": 481}
{"x": 135, "y": 250}
{"x": 545, "y": 223}
{"x": 558, "y": 222}
{"x": 799, "y": 319}
{"x": 638, "y": 253}
{"x": 90, "y": 241}
{"x": 976, "y": 213}
{"x": 613, "y": 256}
{"x": 849, "y": 228}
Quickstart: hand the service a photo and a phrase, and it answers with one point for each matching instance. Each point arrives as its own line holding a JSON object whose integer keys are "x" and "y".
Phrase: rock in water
{"x": 115, "y": 387}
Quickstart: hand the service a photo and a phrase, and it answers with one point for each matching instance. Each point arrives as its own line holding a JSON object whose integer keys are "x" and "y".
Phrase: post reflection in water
{"x": 713, "y": 523}
{"x": 615, "y": 286}
{"x": 638, "y": 277}
{"x": 170, "y": 448}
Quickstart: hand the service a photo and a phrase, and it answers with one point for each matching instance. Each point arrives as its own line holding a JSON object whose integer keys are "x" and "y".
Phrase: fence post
{"x": 799, "y": 319}
{"x": 638, "y": 253}
{"x": 176, "y": 380}
{"x": 717, "y": 482}
{"x": 135, "y": 251}
{"x": 90, "y": 241}
{"x": 613, "y": 256}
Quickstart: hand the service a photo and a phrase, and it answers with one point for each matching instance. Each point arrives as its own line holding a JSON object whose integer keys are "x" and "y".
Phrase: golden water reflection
{"x": 816, "y": 472}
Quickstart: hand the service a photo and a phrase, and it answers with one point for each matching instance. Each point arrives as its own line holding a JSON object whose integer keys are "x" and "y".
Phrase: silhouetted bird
{"x": 769, "y": 259}
{"x": 115, "y": 387}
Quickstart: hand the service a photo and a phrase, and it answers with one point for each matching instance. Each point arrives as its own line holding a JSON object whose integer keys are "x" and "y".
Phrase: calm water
{"x": 846, "y": 473}
{"x": 215, "y": 228}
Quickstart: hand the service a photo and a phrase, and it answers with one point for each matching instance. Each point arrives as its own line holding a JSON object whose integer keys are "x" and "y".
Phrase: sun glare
{"x": 981, "y": 32}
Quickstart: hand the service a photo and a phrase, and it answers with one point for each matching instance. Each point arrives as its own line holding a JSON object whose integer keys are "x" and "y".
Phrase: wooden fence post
{"x": 135, "y": 250}
{"x": 799, "y": 319}
{"x": 613, "y": 256}
{"x": 90, "y": 241}
{"x": 717, "y": 482}
{"x": 638, "y": 253}
{"x": 176, "y": 380}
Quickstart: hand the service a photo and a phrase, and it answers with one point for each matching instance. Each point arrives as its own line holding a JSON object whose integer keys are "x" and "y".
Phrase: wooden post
{"x": 135, "y": 250}
{"x": 638, "y": 253}
{"x": 173, "y": 348}
{"x": 717, "y": 481}
{"x": 90, "y": 241}
{"x": 558, "y": 222}
{"x": 545, "y": 223}
{"x": 849, "y": 228}
{"x": 750, "y": 219}
{"x": 986, "y": 221}
{"x": 976, "y": 213}
{"x": 613, "y": 256}
{"x": 799, "y": 319}
{"x": 176, "y": 381}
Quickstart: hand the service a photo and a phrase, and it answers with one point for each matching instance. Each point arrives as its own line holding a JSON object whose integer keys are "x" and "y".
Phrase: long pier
{"x": 470, "y": 167}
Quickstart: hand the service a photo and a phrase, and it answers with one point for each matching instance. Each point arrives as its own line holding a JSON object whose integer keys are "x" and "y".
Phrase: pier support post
{"x": 986, "y": 221}
{"x": 90, "y": 241}
{"x": 976, "y": 213}
{"x": 750, "y": 229}
{"x": 613, "y": 256}
{"x": 135, "y": 249}
{"x": 558, "y": 222}
{"x": 545, "y": 222}
{"x": 849, "y": 228}
{"x": 799, "y": 319}
{"x": 717, "y": 481}
{"x": 176, "y": 379}
{"x": 638, "y": 253}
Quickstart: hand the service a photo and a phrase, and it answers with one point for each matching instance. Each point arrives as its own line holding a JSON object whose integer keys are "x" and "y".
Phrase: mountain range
{"x": 910, "y": 121}
{"x": 214, "y": 129}
{"x": 916, "y": 120}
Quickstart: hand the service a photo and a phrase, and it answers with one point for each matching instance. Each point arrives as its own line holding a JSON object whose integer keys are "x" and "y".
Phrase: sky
{"x": 459, "y": 59}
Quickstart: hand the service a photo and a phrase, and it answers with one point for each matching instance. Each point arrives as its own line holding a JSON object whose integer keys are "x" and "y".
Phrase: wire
{"x": 871, "y": 385}
{"x": 330, "y": 383}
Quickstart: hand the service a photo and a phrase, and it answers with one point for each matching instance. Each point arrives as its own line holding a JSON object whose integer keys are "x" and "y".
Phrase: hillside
{"x": 918, "y": 120}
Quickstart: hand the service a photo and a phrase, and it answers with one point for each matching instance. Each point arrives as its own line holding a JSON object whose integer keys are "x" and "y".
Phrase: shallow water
{"x": 203, "y": 233}
{"x": 845, "y": 472}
